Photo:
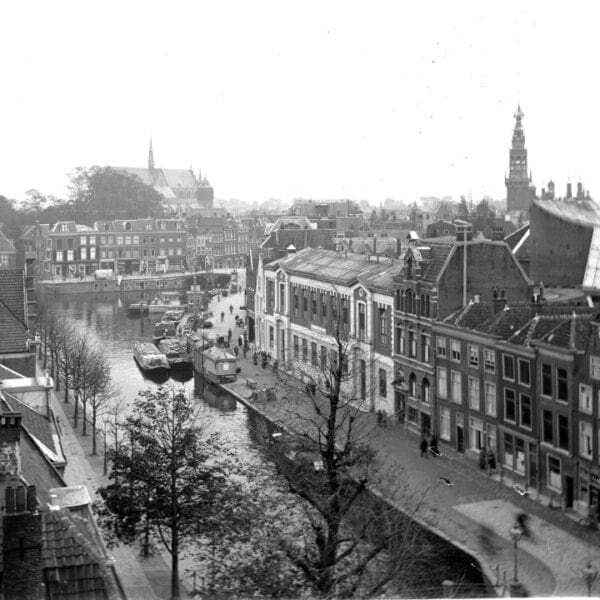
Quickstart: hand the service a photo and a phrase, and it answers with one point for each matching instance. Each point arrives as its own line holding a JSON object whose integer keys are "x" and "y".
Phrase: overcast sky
{"x": 313, "y": 99}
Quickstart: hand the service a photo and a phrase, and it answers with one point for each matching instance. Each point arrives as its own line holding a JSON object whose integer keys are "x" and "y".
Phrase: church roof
{"x": 180, "y": 178}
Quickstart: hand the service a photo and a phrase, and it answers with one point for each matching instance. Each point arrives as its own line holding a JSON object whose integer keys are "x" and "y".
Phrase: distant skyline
{"x": 360, "y": 100}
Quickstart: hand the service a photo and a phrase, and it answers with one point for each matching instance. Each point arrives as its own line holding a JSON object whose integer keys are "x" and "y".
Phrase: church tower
{"x": 520, "y": 193}
{"x": 151, "y": 158}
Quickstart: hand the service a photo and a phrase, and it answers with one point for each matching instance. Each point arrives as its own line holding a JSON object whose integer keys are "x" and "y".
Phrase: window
{"x": 296, "y": 301}
{"x": 296, "y": 347}
{"x": 525, "y": 411}
{"x": 59, "y": 244}
{"x": 82, "y": 240}
{"x": 323, "y": 306}
{"x": 546, "y": 380}
{"x": 70, "y": 244}
{"x": 456, "y": 387}
{"x": 271, "y": 337}
{"x": 382, "y": 383}
{"x": 92, "y": 240}
{"x": 103, "y": 240}
{"x": 59, "y": 256}
{"x": 547, "y": 429}
{"x": 562, "y": 387}
{"x": 554, "y": 474}
{"x": 412, "y": 415}
{"x": 510, "y": 406}
{"x": 490, "y": 399}
{"x": 412, "y": 344}
{"x": 119, "y": 239}
{"x": 474, "y": 393}
{"x": 476, "y": 437}
{"x": 136, "y": 239}
{"x": 508, "y": 365}
{"x": 313, "y": 354}
{"x": 282, "y": 297}
{"x": 455, "y": 350}
{"x": 399, "y": 340}
{"x": 585, "y": 398}
{"x": 304, "y": 301}
{"x": 440, "y": 344}
{"x": 128, "y": 240}
{"x": 442, "y": 382}
{"x": 563, "y": 432}
{"x": 382, "y": 326}
{"x": 70, "y": 255}
{"x": 524, "y": 372}
{"x": 361, "y": 320}
{"x": 445, "y": 423}
{"x": 473, "y": 356}
{"x": 586, "y": 448}
{"x": 83, "y": 252}
{"x": 412, "y": 385}
{"x": 508, "y": 451}
{"x": 304, "y": 349}
{"x": 345, "y": 312}
{"x": 426, "y": 348}
{"x": 92, "y": 253}
{"x": 313, "y": 303}
{"x": 595, "y": 367}
{"x": 425, "y": 391}
{"x": 323, "y": 358}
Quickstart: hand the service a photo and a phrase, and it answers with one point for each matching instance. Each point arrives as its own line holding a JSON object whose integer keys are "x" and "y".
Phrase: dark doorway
{"x": 425, "y": 424}
{"x": 399, "y": 406}
{"x": 569, "y": 491}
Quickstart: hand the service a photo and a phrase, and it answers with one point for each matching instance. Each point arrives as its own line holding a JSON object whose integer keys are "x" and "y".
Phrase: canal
{"x": 106, "y": 316}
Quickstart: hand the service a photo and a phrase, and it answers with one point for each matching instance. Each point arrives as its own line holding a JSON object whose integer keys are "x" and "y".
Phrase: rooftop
{"x": 580, "y": 211}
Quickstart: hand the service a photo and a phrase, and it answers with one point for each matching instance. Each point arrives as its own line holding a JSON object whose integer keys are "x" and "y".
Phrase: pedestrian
{"x": 491, "y": 459}
{"x": 236, "y": 351}
{"x": 423, "y": 447}
{"x": 523, "y": 523}
{"x": 245, "y": 351}
{"x": 245, "y": 343}
{"x": 379, "y": 418}
{"x": 229, "y": 334}
{"x": 482, "y": 458}
{"x": 240, "y": 341}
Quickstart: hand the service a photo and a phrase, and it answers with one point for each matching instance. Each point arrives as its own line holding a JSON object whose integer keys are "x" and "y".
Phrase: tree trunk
{"x": 175, "y": 562}
{"x": 84, "y": 416}
{"x": 76, "y": 411}
{"x": 94, "y": 449}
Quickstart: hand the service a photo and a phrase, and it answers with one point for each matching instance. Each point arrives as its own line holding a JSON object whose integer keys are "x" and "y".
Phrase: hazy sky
{"x": 314, "y": 99}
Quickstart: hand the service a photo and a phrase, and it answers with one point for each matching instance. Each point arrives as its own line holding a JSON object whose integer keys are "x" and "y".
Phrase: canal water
{"x": 106, "y": 317}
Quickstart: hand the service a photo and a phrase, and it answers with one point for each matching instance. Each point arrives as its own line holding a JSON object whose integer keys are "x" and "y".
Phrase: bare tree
{"x": 358, "y": 542}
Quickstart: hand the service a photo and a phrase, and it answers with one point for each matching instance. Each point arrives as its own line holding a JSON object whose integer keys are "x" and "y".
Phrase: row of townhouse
{"x": 522, "y": 383}
{"x": 68, "y": 249}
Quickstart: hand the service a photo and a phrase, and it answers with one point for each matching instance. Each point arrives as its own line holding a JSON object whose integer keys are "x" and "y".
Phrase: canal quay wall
{"x": 131, "y": 283}
{"x": 453, "y": 556}
{"x": 475, "y": 514}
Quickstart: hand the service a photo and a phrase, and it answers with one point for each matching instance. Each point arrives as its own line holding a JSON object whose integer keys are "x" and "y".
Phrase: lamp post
{"x": 589, "y": 575}
{"x": 515, "y": 533}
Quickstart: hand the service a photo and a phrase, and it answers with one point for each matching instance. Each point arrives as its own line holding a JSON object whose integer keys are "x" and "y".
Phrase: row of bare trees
{"x": 72, "y": 355}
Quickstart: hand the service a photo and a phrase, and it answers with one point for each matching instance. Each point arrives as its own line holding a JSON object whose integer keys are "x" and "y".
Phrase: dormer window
{"x": 106, "y": 227}
{"x": 127, "y": 226}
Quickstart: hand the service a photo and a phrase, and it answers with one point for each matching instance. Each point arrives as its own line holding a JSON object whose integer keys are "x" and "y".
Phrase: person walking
{"x": 229, "y": 336}
{"x": 423, "y": 447}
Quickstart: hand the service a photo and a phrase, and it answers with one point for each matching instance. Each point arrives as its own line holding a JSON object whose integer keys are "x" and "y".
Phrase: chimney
{"x": 461, "y": 229}
{"x": 22, "y": 545}
{"x": 569, "y": 192}
{"x": 498, "y": 303}
{"x": 579, "y": 190}
{"x": 291, "y": 249}
{"x": 10, "y": 433}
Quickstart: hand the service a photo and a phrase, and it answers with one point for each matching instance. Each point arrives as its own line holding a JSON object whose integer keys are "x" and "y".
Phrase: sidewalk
{"x": 142, "y": 579}
{"x": 476, "y": 512}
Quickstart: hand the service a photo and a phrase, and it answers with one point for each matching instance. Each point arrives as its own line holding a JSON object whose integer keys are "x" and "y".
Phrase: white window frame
{"x": 554, "y": 480}
{"x": 445, "y": 423}
{"x": 490, "y": 400}
{"x": 455, "y": 351}
{"x": 473, "y": 353}
{"x": 595, "y": 367}
{"x": 440, "y": 346}
{"x": 474, "y": 393}
{"x": 586, "y": 440}
{"x": 442, "y": 388}
{"x": 476, "y": 425}
{"x": 586, "y": 395}
{"x": 456, "y": 386}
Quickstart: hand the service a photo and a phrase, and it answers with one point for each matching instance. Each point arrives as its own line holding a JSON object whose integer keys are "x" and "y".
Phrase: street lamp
{"x": 589, "y": 575}
{"x": 515, "y": 533}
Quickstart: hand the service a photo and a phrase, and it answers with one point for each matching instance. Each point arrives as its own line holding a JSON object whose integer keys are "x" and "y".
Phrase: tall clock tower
{"x": 520, "y": 193}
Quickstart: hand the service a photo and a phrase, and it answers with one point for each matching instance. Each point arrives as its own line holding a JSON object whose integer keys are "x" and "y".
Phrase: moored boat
{"x": 173, "y": 316}
{"x": 149, "y": 358}
{"x": 138, "y": 308}
{"x": 164, "y": 330}
{"x": 176, "y": 353}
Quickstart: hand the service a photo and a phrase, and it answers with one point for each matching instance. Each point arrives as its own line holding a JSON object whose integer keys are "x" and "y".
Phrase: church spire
{"x": 151, "y": 157}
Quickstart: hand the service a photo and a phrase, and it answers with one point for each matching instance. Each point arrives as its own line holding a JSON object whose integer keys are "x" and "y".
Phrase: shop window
{"x": 554, "y": 473}
{"x": 476, "y": 437}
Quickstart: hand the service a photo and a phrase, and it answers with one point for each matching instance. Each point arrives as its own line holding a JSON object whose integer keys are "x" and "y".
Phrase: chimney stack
{"x": 569, "y": 192}
{"x": 10, "y": 433}
{"x": 498, "y": 303}
{"x": 579, "y": 190}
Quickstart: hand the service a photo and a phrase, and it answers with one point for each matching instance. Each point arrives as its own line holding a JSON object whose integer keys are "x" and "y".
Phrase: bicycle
{"x": 588, "y": 522}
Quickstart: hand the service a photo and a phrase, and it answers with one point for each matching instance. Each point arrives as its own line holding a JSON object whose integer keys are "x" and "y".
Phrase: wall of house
{"x": 490, "y": 266}
{"x": 558, "y": 249}
{"x": 23, "y": 364}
